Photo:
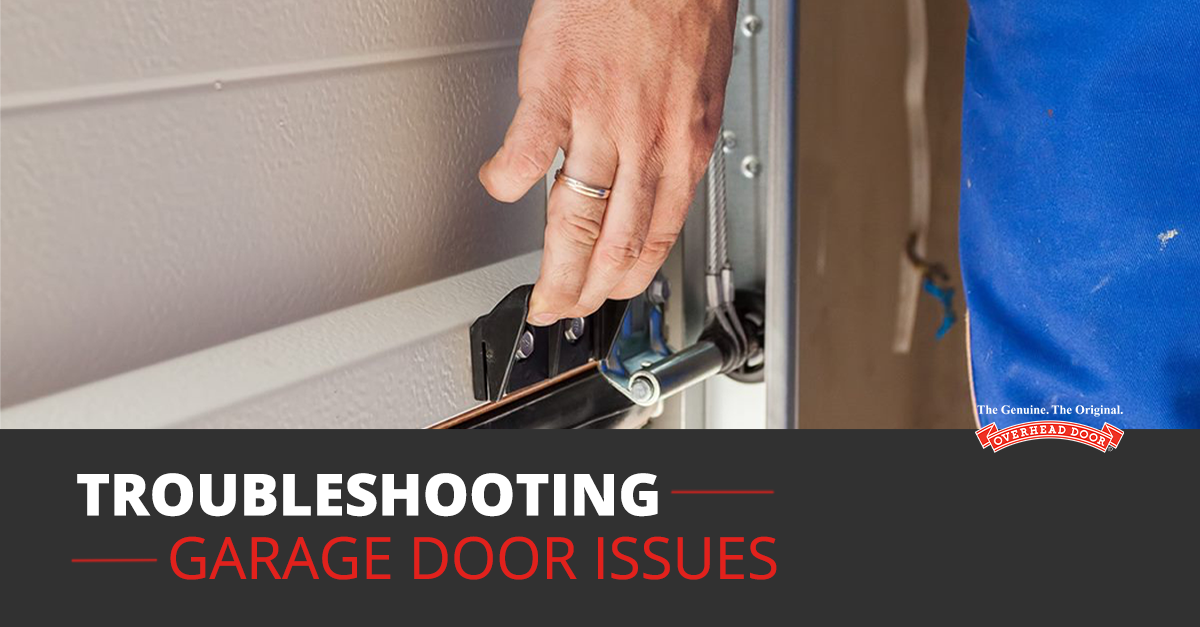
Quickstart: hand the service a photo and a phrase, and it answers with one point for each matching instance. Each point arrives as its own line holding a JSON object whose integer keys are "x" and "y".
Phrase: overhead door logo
{"x": 1104, "y": 439}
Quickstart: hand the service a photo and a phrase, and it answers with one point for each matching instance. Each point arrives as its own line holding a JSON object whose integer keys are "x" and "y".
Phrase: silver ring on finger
{"x": 579, "y": 187}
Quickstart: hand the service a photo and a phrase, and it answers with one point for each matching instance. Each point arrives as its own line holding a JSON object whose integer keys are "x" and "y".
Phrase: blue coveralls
{"x": 1080, "y": 219}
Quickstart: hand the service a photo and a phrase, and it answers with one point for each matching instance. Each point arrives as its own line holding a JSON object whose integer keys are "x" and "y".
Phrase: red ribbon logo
{"x": 1100, "y": 439}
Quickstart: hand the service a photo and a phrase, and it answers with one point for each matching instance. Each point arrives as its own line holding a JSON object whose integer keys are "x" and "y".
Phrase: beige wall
{"x": 854, "y": 192}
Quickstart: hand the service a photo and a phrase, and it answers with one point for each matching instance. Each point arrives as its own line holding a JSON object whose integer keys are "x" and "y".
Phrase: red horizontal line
{"x": 722, "y": 492}
{"x": 140, "y": 559}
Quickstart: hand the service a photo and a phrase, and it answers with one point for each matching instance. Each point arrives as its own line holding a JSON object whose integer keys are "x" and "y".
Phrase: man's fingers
{"x": 623, "y": 235}
{"x": 673, "y": 197}
{"x": 573, "y": 225}
{"x": 537, "y": 131}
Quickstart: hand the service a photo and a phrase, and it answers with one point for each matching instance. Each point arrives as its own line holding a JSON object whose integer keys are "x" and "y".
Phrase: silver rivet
{"x": 575, "y": 329}
{"x": 525, "y": 345}
{"x": 751, "y": 166}
{"x": 751, "y": 24}
{"x": 218, "y": 85}
{"x": 728, "y": 141}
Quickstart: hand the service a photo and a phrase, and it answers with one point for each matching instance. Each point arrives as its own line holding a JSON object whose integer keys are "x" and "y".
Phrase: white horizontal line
{"x": 31, "y": 100}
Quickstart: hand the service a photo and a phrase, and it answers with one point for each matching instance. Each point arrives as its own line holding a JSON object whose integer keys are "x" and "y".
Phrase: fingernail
{"x": 543, "y": 319}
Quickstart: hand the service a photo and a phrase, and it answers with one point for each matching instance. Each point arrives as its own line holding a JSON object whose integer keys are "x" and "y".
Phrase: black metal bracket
{"x": 497, "y": 368}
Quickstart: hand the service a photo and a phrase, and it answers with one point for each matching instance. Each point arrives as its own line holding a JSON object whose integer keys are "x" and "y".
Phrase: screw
{"x": 751, "y": 24}
{"x": 525, "y": 345}
{"x": 751, "y": 167}
{"x": 575, "y": 329}
{"x": 728, "y": 141}
{"x": 641, "y": 391}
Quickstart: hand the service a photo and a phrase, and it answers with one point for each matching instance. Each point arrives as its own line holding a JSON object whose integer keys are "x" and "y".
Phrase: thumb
{"x": 537, "y": 131}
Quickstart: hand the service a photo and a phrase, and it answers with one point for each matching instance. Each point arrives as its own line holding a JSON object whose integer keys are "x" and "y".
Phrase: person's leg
{"x": 1080, "y": 221}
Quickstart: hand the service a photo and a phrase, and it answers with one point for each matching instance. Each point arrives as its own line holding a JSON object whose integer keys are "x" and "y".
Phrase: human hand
{"x": 633, "y": 92}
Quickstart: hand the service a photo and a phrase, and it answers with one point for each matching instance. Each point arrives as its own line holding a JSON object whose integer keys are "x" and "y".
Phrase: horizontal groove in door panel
{"x": 218, "y": 80}
{"x": 58, "y": 44}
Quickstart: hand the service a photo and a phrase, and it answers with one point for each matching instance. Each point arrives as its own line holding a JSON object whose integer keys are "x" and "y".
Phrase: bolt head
{"x": 641, "y": 390}
{"x": 575, "y": 329}
{"x": 659, "y": 292}
{"x": 525, "y": 345}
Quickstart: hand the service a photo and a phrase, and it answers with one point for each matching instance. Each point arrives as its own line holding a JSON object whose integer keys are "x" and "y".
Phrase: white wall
{"x": 178, "y": 174}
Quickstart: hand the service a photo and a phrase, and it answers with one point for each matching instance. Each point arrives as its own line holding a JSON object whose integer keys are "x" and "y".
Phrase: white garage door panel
{"x": 154, "y": 222}
{"x": 401, "y": 361}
